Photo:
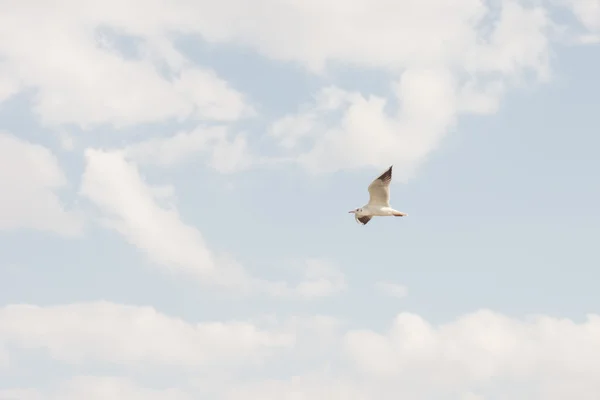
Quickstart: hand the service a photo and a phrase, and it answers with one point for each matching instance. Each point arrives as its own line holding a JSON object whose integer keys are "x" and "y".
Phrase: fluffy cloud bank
{"x": 113, "y": 333}
{"x": 476, "y": 356}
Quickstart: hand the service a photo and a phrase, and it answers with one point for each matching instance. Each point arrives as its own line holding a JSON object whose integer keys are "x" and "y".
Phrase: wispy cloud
{"x": 392, "y": 289}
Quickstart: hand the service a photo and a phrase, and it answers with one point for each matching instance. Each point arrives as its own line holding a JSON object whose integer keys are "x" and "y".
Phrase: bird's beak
{"x": 352, "y": 212}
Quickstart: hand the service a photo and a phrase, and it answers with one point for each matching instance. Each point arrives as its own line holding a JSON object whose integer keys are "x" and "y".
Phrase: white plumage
{"x": 379, "y": 200}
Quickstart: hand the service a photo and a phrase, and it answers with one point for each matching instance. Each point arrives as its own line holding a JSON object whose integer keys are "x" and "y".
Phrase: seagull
{"x": 379, "y": 200}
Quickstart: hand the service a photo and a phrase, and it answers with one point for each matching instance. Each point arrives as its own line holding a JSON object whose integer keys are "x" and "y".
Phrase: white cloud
{"x": 483, "y": 351}
{"x": 119, "y": 334}
{"x": 231, "y": 156}
{"x": 299, "y": 388}
{"x": 172, "y": 150}
{"x": 482, "y": 355}
{"x": 81, "y": 78}
{"x": 105, "y": 388}
{"x": 373, "y": 34}
{"x": 392, "y": 289}
{"x": 95, "y": 388}
{"x": 4, "y": 358}
{"x": 66, "y": 140}
{"x": 30, "y": 176}
{"x": 589, "y": 39}
{"x": 131, "y": 207}
{"x": 588, "y": 12}
{"x": 429, "y": 48}
{"x": 366, "y": 133}
{"x": 8, "y": 84}
{"x": 475, "y": 356}
{"x": 320, "y": 278}
{"x": 225, "y": 155}
{"x": 471, "y": 396}
{"x": 20, "y": 394}
{"x": 430, "y": 91}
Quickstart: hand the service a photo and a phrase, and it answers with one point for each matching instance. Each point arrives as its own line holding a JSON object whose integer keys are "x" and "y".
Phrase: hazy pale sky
{"x": 176, "y": 176}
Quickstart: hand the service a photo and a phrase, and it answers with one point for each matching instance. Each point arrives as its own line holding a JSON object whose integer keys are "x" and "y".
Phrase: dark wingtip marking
{"x": 387, "y": 175}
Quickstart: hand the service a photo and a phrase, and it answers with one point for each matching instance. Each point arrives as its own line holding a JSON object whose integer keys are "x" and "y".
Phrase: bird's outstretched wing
{"x": 364, "y": 220}
{"x": 379, "y": 189}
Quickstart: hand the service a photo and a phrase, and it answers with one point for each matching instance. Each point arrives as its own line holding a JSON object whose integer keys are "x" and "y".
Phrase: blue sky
{"x": 176, "y": 185}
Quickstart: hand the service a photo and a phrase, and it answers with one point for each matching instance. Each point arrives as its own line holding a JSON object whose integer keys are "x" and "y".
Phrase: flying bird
{"x": 379, "y": 200}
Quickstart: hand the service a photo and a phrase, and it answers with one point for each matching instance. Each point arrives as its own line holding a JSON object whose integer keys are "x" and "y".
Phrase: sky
{"x": 176, "y": 177}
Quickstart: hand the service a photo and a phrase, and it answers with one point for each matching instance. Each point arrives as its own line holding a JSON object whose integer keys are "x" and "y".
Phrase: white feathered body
{"x": 375, "y": 210}
{"x": 379, "y": 200}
